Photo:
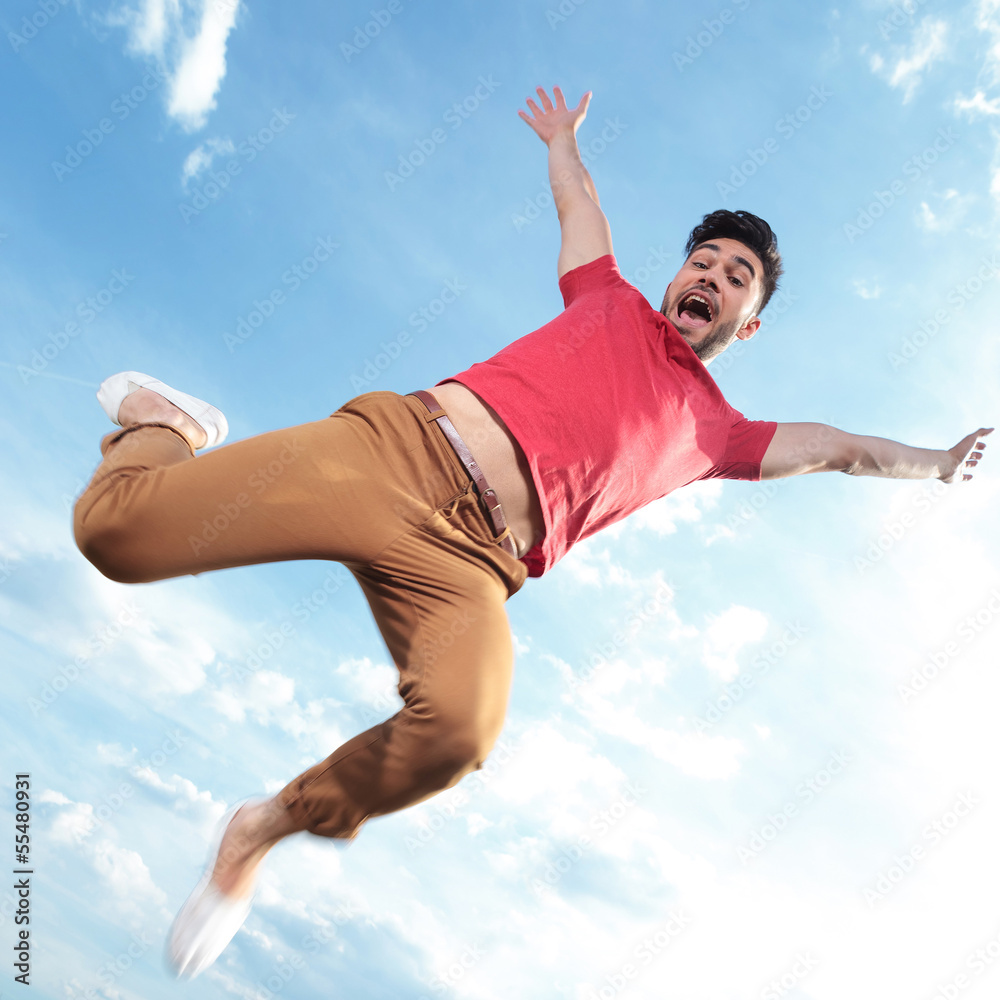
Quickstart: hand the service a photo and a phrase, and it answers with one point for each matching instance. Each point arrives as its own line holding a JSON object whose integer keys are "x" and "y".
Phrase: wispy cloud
{"x": 906, "y": 71}
{"x": 866, "y": 291}
{"x": 594, "y": 566}
{"x": 123, "y": 872}
{"x": 200, "y": 159}
{"x": 711, "y": 758}
{"x": 978, "y": 105}
{"x": 949, "y": 209}
{"x": 727, "y": 634}
{"x": 988, "y": 22}
{"x": 686, "y": 505}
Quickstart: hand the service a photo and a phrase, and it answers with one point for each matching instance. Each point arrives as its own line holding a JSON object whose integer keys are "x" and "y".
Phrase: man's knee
{"x": 457, "y": 751}
{"x": 107, "y": 548}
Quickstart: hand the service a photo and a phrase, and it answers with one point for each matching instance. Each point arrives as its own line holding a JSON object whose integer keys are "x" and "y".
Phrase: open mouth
{"x": 694, "y": 309}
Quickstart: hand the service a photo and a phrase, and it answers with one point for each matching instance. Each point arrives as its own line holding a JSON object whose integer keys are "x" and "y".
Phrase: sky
{"x": 751, "y": 748}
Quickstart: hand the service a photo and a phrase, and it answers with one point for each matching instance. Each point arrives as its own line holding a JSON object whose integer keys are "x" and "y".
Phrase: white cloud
{"x": 476, "y": 823}
{"x": 123, "y": 870}
{"x": 862, "y": 288}
{"x": 988, "y": 21}
{"x": 32, "y": 528}
{"x": 193, "y": 57}
{"x": 594, "y": 566}
{"x": 181, "y": 791}
{"x": 926, "y": 218}
{"x": 642, "y": 839}
{"x": 584, "y": 776}
{"x": 603, "y": 701}
{"x": 267, "y": 698}
{"x": 72, "y": 824}
{"x": 719, "y": 531}
{"x": 908, "y": 69}
{"x": 712, "y": 758}
{"x": 262, "y": 695}
{"x": 995, "y": 176}
{"x": 686, "y": 505}
{"x": 950, "y": 209}
{"x": 978, "y": 105}
{"x": 200, "y": 159}
{"x": 126, "y": 875}
{"x": 153, "y": 638}
{"x": 202, "y": 65}
{"x": 114, "y": 754}
{"x": 727, "y": 634}
{"x": 374, "y": 684}
{"x": 149, "y": 26}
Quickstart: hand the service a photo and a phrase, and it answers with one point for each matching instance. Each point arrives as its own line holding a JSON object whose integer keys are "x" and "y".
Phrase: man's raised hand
{"x": 556, "y": 117}
{"x": 965, "y": 454}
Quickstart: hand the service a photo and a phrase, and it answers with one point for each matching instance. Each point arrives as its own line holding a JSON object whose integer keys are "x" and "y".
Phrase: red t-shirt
{"x": 613, "y": 410}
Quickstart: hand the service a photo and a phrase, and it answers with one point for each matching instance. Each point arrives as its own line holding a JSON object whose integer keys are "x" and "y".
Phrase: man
{"x": 573, "y": 427}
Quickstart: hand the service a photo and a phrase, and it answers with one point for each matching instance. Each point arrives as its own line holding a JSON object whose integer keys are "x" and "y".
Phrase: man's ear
{"x": 751, "y": 326}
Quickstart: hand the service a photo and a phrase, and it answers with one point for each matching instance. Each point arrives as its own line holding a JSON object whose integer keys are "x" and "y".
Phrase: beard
{"x": 713, "y": 344}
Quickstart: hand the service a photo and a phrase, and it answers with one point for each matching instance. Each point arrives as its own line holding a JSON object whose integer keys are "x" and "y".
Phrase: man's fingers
{"x": 548, "y": 106}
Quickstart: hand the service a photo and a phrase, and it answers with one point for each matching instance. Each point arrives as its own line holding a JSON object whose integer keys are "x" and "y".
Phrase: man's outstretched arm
{"x": 806, "y": 447}
{"x": 586, "y": 234}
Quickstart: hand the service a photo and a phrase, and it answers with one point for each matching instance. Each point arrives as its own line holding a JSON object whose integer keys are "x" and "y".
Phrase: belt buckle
{"x": 505, "y": 539}
{"x": 488, "y": 500}
{"x": 491, "y": 495}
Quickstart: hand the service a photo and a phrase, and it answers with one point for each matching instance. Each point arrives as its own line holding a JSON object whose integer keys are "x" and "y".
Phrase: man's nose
{"x": 710, "y": 280}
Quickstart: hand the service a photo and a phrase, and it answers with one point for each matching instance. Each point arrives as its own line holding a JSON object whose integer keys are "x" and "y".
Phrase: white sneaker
{"x": 113, "y": 391}
{"x": 209, "y": 919}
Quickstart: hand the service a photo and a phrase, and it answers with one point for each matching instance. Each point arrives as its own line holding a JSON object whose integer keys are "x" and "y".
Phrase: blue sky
{"x": 746, "y": 795}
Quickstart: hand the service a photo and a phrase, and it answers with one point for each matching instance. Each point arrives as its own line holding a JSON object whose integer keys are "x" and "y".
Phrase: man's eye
{"x": 737, "y": 282}
{"x": 699, "y": 263}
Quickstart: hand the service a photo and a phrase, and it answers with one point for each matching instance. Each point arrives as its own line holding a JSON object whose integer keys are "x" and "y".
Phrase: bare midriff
{"x": 500, "y": 457}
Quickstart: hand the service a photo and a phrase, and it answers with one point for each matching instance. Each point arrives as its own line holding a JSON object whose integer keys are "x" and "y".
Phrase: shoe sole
{"x": 208, "y": 920}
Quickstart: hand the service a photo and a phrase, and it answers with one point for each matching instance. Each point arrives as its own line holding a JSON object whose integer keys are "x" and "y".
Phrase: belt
{"x": 488, "y": 496}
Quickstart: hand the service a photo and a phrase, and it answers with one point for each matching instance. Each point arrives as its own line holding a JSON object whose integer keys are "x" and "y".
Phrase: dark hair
{"x": 749, "y": 230}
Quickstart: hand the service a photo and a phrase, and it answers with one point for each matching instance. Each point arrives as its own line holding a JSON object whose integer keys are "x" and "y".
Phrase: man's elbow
{"x": 851, "y": 456}
{"x": 832, "y": 450}
{"x": 572, "y": 199}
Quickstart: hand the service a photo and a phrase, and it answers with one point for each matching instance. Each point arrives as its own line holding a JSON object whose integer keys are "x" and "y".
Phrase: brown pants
{"x": 377, "y": 487}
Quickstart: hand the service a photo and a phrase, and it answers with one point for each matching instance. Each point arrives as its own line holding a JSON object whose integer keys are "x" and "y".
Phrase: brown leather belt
{"x": 487, "y": 495}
